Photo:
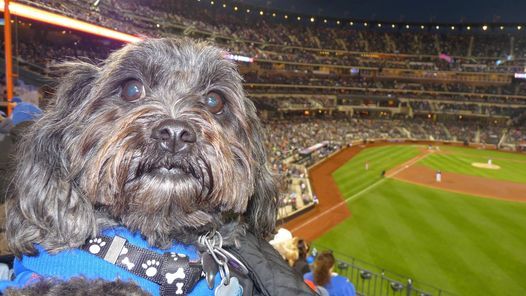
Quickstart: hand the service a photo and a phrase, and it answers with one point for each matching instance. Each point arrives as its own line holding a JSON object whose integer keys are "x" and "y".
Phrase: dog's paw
{"x": 96, "y": 245}
{"x": 151, "y": 267}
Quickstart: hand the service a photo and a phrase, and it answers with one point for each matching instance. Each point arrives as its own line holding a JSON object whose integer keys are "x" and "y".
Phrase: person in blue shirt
{"x": 322, "y": 275}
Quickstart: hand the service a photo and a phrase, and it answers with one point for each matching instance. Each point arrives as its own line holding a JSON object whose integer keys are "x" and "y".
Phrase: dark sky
{"x": 513, "y": 11}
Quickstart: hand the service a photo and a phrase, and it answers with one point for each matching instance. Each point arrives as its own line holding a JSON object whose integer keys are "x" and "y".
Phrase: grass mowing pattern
{"x": 512, "y": 166}
{"x": 379, "y": 158}
{"x": 460, "y": 243}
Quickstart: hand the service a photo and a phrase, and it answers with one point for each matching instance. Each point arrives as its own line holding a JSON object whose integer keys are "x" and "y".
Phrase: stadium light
{"x": 452, "y": 27}
{"x": 468, "y": 27}
{"x": 325, "y": 21}
{"x": 312, "y": 20}
{"x": 235, "y": 8}
{"x": 211, "y": 2}
{"x": 379, "y": 25}
{"x": 248, "y": 10}
{"x": 407, "y": 26}
{"x": 224, "y": 5}
{"x": 437, "y": 27}
{"x": 286, "y": 16}
{"x": 299, "y": 18}
{"x": 261, "y": 12}
{"x": 273, "y": 14}
{"x": 519, "y": 27}
{"x": 351, "y": 23}
{"x": 501, "y": 28}
{"x": 47, "y": 17}
{"x": 365, "y": 24}
{"x": 484, "y": 28}
{"x": 393, "y": 25}
{"x": 338, "y": 22}
{"x": 422, "y": 27}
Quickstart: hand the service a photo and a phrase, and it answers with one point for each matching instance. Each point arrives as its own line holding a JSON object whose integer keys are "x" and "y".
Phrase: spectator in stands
{"x": 24, "y": 111}
{"x": 286, "y": 245}
{"x": 322, "y": 275}
{"x": 301, "y": 265}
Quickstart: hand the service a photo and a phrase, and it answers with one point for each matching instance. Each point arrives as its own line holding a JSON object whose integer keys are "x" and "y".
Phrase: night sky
{"x": 454, "y": 11}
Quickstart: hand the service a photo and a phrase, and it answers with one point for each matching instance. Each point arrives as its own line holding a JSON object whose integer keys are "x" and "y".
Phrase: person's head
{"x": 303, "y": 249}
{"x": 286, "y": 245}
{"x": 323, "y": 268}
{"x": 24, "y": 111}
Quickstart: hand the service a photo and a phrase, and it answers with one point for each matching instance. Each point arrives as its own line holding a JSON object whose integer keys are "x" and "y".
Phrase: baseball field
{"x": 465, "y": 234}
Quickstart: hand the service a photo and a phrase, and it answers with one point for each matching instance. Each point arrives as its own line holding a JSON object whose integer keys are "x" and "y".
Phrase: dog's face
{"x": 160, "y": 138}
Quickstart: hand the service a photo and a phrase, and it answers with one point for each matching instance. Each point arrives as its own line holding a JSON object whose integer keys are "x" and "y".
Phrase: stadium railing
{"x": 372, "y": 280}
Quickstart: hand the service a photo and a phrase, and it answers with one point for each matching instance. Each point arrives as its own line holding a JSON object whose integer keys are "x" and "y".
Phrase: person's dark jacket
{"x": 269, "y": 274}
{"x": 301, "y": 266}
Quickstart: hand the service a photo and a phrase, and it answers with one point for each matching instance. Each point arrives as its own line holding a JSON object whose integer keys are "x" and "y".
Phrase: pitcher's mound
{"x": 484, "y": 165}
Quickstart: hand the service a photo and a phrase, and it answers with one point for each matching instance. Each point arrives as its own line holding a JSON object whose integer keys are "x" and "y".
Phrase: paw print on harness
{"x": 176, "y": 256}
{"x": 151, "y": 267}
{"x": 96, "y": 245}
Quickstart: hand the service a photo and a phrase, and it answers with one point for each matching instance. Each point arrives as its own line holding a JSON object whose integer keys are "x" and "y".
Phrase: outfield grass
{"x": 460, "y": 243}
{"x": 458, "y": 160}
{"x": 379, "y": 158}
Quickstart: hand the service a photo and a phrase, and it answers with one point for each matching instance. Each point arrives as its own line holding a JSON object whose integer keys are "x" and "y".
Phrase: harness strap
{"x": 174, "y": 272}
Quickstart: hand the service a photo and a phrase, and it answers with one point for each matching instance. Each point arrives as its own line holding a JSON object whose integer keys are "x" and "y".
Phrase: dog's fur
{"x": 91, "y": 162}
{"x": 78, "y": 287}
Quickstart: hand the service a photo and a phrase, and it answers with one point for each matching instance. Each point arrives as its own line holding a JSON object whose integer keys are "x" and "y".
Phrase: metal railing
{"x": 372, "y": 280}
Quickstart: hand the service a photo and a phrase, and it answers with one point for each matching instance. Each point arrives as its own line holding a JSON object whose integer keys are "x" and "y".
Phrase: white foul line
{"x": 354, "y": 196}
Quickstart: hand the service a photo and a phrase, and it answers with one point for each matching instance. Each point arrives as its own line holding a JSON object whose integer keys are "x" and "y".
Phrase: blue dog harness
{"x": 120, "y": 254}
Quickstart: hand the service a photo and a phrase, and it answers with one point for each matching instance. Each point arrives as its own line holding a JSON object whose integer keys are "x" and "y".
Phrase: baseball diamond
{"x": 470, "y": 225}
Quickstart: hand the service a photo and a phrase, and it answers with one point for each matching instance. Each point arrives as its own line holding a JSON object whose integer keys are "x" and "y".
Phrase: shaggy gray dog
{"x": 159, "y": 139}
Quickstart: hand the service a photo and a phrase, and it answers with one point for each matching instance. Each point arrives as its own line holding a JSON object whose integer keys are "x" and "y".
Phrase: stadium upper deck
{"x": 303, "y": 65}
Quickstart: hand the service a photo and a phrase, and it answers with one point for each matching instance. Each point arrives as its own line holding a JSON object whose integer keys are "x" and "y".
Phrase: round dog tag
{"x": 232, "y": 289}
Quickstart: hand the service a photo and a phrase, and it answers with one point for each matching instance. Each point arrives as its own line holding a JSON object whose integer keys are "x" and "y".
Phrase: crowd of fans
{"x": 288, "y": 41}
{"x": 267, "y": 39}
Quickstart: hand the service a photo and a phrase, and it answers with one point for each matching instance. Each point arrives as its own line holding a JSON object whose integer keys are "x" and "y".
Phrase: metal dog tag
{"x": 232, "y": 289}
{"x": 210, "y": 268}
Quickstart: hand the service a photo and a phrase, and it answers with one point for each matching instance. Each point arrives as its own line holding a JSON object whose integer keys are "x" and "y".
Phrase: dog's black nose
{"x": 174, "y": 135}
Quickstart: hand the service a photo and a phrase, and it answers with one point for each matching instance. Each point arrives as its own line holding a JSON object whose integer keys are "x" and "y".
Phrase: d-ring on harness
{"x": 216, "y": 258}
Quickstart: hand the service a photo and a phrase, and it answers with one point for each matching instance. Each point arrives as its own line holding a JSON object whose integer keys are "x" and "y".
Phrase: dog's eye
{"x": 132, "y": 90}
{"x": 214, "y": 102}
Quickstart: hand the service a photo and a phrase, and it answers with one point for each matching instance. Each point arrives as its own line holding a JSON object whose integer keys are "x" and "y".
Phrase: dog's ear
{"x": 45, "y": 206}
{"x": 74, "y": 80}
{"x": 262, "y": 208}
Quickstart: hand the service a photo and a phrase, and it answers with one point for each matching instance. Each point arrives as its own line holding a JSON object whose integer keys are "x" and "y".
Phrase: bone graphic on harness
{"x": 96, "y": 245}
{"x": 171, "y": 277}
{"x": 179, "y": 288}
{"x": 151, "y": 267}
{"x": 126, "y": 261}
